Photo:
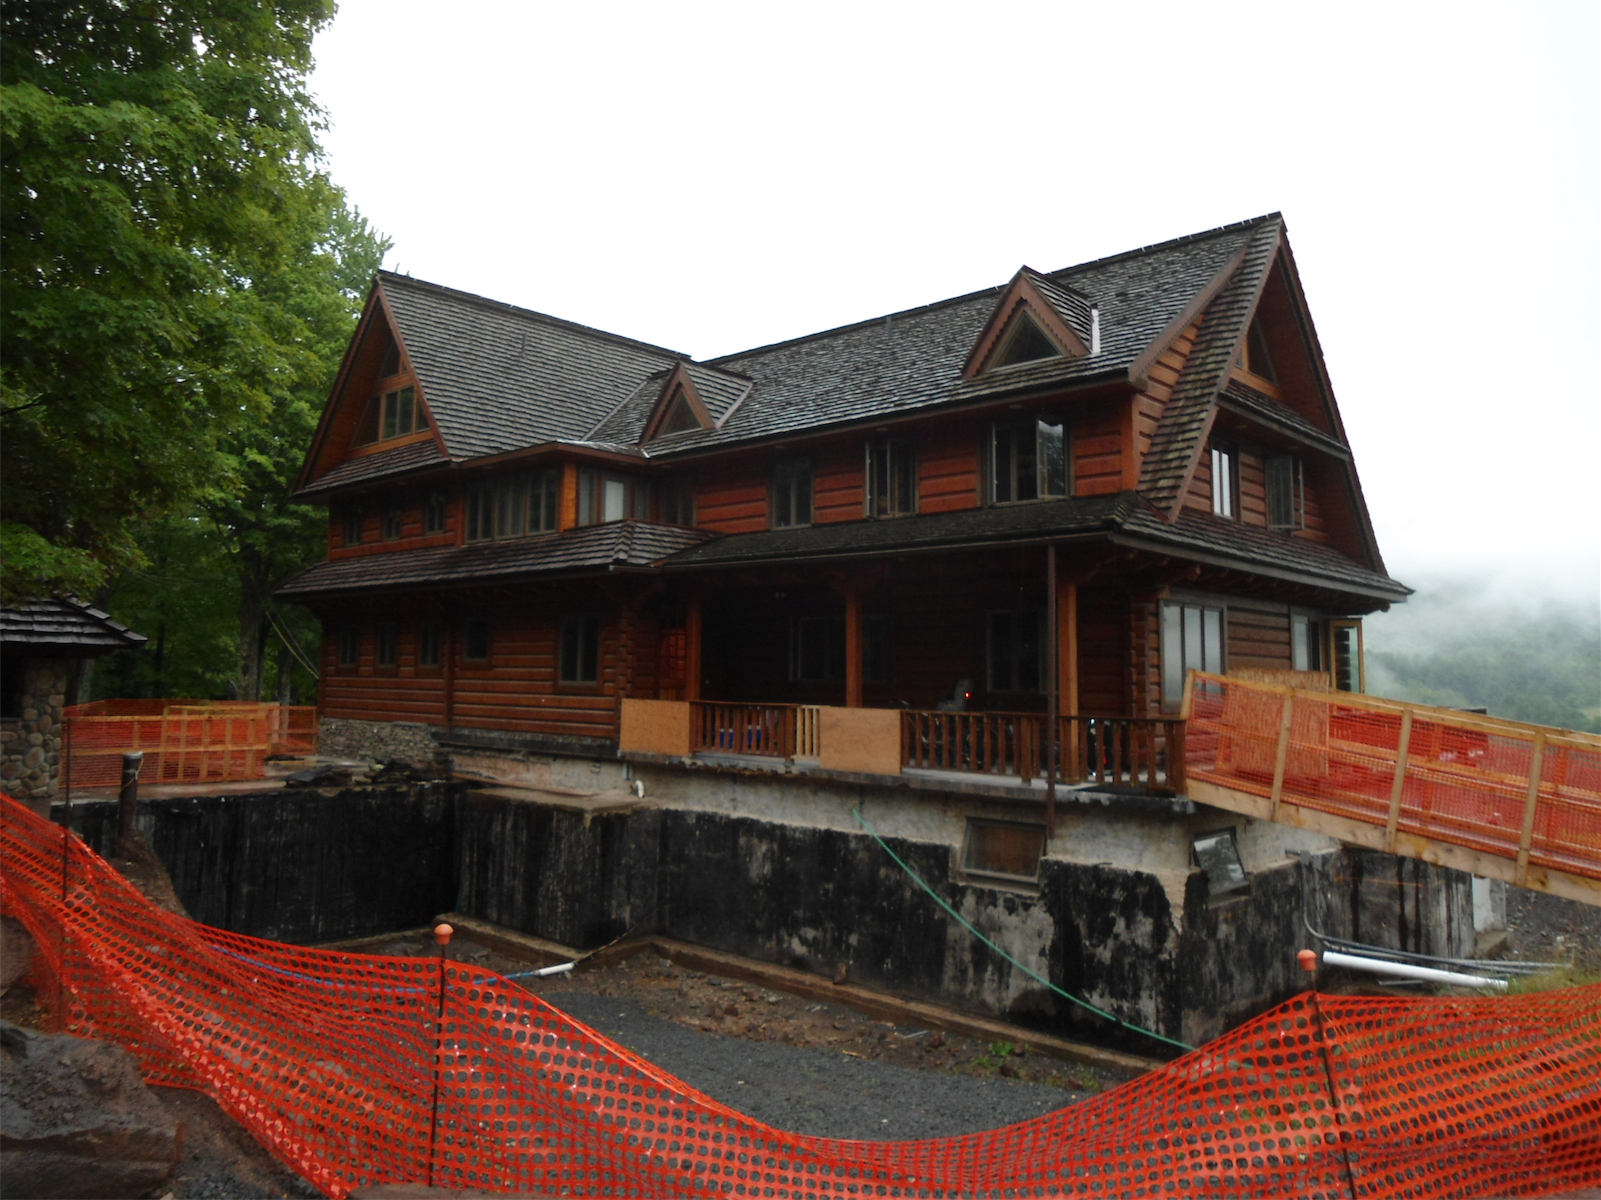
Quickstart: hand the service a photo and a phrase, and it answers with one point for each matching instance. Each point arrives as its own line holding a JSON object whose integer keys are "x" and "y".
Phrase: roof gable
{"x": 679, "y": 408}
{"x": 1036, "y": 318}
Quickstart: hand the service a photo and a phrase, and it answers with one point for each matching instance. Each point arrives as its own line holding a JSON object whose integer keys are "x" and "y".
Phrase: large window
{"x": 1286, "y": 493}
{"x": 792, "y": 493}
{"x": 514, "y": 506}
{"x": 603, "y": 497}
{"x": 580, "y": 649}
{"x": 891, "y": 478}
{"x": 1254, "y": 356}
{"x": 1016, "y": 650}
{"x": 394, "y": 522}
{"x": 1225, "y": 480}
{"x": 1192, "y": 640}
{"x": 1028, "y": 460}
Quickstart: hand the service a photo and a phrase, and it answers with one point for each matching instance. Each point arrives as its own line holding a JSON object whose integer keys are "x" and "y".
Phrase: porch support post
{"x": 1053, "y": 670}
{"x": 853, "y": 649}
{"x": 692, "y": 631}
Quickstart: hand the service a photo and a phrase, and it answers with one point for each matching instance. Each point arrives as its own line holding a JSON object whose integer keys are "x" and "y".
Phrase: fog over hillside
{"x": 1524, "y": 653}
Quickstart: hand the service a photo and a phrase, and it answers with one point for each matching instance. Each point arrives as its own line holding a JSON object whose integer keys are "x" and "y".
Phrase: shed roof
{"x": 65, "y": 627}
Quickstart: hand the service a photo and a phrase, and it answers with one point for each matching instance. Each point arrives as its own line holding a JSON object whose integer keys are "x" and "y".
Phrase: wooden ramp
{"x": 1498, "y": 798}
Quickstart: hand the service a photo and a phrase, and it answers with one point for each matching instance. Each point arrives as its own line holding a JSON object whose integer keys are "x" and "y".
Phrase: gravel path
{"x": 816, "y": 1091}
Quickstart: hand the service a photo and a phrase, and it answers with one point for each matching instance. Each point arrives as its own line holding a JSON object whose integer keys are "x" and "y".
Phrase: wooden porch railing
{"x": 808, "y": 742}
{"x": 764, "y": 730}
{"x": 1125, "y": 751}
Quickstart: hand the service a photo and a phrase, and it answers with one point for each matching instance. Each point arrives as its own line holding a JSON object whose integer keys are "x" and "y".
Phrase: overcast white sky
{"x": 712, "y": 178}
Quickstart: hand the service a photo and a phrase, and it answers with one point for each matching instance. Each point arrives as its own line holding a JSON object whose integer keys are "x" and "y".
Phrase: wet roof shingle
{"x": 67, "y": 626}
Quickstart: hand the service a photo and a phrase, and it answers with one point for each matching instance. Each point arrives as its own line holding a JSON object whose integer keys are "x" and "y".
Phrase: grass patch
{"x": 1552, "y": 981}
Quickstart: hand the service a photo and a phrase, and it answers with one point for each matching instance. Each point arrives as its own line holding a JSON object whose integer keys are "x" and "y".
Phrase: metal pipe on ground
{"x": 1379, "y": 966}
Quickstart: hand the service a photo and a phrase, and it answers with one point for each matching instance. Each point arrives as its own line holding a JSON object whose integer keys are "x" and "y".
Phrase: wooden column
{"x": 1067, "y": 640}
{"x": 692, "y": 637}
{"x": 853, "y": 650}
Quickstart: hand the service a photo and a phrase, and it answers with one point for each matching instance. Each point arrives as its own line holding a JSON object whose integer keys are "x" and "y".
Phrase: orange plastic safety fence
{"x": 1465, "y": 779}
{"x": 357, "y": 1069}
{"x": 183, "y": 742}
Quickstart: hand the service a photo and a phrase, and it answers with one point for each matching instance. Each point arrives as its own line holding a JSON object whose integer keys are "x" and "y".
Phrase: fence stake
{"x": 442, "y": 934}
{"x": 1401, "y": 749}
{"x": 1526, "y": 839}
{"x": 1284, "y": 754}
{"x": 128, "y": 800}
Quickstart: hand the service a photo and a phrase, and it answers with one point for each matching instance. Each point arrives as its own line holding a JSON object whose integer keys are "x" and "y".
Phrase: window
{"x": 891, "y": 478}
{"x": 1286, "y": 493}
{"x": 394, "y": 521}
{"x": 1025, "y": 342}
{"x": 875, "y": 650}
{"x": 428, "y": 644}
{"x": 1192, "y": 640}
{"x": 817, "y": 649}
{"x": 1306, "y": 643}
{"x": 349, "y": 646}
{"x": 388, "y": 644}
{"x": 1028, "y": 460}
{"x": 391, "y": 415}
{"x": 605, "y": 497}
{"x": 513, "y": 506}
{"x": 792, "y": 493}
{"x": 580, "y": 649}
{"x": 1254, "y": 356}
{"x": 678, "y": 503}
{"x": 1225, "y": 480}
{"x": 1346, "y": 640}
{"x": 475, "y": 640}
{"x": 1016, "y": 650}
{"x": 1006, "y": 849}
{"x": 680, "y": 416}
{"x": 353, "y": 525}
{"x": 1218, "y": 855}
{"x": 433, "y": 513}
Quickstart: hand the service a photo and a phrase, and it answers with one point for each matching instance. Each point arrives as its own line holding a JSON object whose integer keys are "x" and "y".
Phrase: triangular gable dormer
{"x": 1028, "y": 325}
{"x": 679, "y": 407}
{"x": 377, "y": 403}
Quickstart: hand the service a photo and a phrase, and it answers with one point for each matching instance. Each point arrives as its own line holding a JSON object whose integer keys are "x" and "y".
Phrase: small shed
{"x": 40, "y": 640}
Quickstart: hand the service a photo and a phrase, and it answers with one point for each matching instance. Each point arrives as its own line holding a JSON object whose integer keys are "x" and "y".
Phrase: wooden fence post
{"x": 1283, "y": 758}
{"x": 1399, "y": 782}
{"x": 1526, "y": 839}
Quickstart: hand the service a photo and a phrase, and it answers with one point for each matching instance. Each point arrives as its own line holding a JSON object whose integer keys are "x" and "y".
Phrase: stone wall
{"x": 30, "y": 743}
{"x": 376, "y": 741}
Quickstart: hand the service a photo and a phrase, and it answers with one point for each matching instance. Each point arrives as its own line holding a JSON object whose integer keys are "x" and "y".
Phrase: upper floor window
{"x": 433, "y": 513}
{"x": 1028, "y": 460}
{"x": 891, "y": 478}
{"x": 1026, "y": 342}
{"x": 394, "y": 522}
{"x": 1192, "y": 640}
{"x": 1016, "y": 650}
{"x": 513, "y": 506}
{"x": 603, "y": 497}
{"x": 1225, "y": 480}
{"x": 1286, "y": 492}
{"x": 677, "y": 503}
{"x": 792, "y": 493}
{"x": 390, "y": 415}
{"x": 680, "y": 416}
{"x": 353, "y": 525}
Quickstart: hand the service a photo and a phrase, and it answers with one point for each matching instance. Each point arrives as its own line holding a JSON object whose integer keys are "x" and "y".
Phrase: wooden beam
{"x": 1399, "y": 782}
{"x": 853, "y": 649}
{"x": 567, "y": 511}
{"x": 1283, "y": 758}
{"x": 692, "y": 645}
{"x": 1068, "y": 614}
{"x": 1526, "y": 838}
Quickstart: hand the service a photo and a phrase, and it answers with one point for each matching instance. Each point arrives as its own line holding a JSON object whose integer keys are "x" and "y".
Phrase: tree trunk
{"x": 286, "y": 674}
{"x": 252, "y": 621}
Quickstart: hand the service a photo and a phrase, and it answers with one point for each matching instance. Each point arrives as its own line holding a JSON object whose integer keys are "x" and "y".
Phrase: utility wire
{"x": 289, "y": 642}
{"x": 966, "y": 924}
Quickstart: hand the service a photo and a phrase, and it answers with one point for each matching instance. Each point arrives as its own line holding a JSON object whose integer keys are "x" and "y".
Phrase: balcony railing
{"x": 760, "y": 730}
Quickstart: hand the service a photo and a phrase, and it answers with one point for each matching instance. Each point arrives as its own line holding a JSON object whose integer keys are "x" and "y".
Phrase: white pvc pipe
{"x": 563, "y": 967}
{"x": 1379, "y": 966}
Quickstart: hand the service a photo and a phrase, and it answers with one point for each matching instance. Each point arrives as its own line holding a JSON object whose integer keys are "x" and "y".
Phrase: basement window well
{"x": 1218, "y": 855}
{"x": 1007, "y": 851}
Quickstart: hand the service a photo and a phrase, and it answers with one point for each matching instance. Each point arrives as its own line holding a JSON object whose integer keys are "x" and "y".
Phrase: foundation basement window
{"x": 1003, "y": 851}
{"x": 1218, "y": 855}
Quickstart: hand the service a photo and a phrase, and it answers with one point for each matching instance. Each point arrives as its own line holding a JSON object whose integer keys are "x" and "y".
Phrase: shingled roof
{"x": 64, "y": 627}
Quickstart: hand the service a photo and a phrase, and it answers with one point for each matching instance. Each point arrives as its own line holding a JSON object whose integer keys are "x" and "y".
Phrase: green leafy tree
{"x": 159, "y": 177}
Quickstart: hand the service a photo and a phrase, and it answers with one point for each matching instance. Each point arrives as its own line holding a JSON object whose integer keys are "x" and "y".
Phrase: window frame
{"x": 435, "y": 513}
{"x": 989, "y": 874}
{"x": 1011, "y": 478}
{"x": 394, "y": 523}
{"x": 592, "y": 483}
{"x": 386, "y": 645}
{"x": 526, "y": 504}
{"x": 1231, "y": 889}
{"x": 1225, "y": 482}
{"x": 890, "y": 478}
{"x": 679, "y": 496}
{"x": 1174, "y": 662}
{"x": 1308, "y": 631}
{"x": 792, "y": 481}
{"x": 1293, "y": 488}
{"x": 1015, "y": 656}
{"x": 586, "y": 625}
{"x": 355, "y": 521}
{"x": 430, "y": 644}
{"x": 1358, "y": 675}
{"x": 347, "y": 647}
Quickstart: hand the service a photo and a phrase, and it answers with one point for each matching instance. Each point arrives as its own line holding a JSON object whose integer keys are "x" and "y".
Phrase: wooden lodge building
{"x": 554, "y": 546}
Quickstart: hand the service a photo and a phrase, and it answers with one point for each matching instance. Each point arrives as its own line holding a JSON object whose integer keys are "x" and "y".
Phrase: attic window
{"x": 680, "y": 416}
{"x": 1254, "y": 357}
{"x": 1026, "y": 343}
{"x": 392, "y": 415}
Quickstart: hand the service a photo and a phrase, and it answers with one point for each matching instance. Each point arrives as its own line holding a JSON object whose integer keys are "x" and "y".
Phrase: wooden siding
{"x": 1097, "y": 431}
{"x": 838, "y": 483}
{"x": 948, "y": 468}
{"x": 732, "y": 499}
{"x": 411, "y": 536}
{"x": 1258, "y": 635}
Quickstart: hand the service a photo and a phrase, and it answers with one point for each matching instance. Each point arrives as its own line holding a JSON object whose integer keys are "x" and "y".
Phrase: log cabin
{"x": 878, "y": 560}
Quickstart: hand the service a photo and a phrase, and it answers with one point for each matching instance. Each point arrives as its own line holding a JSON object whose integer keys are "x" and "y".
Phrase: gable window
{"x": 1225, "y": 480}
{"x": 475, "y": 640}
{"x": 428, "y": 644}
{"x": 680, "y": 416}
{"x": 792, "y": 493}
{"x": 394, "y": 522}
{"x": 1286, "y": 492}
{"x": 580, "y": 649}
{"x": 677, "y": 503}
{"x": 891, "y": 478}
{"x": 1192, "y": 640}
{"x": 433, "y": 513}
{"x": 513, "y": 506}
{"x": 349, "y": 646}
{"x": 388, "y": 644}
{"x": 604, "y": 497}
{"x": 353, "y": 525}
{"x": 1016, "y": 650}
{"x": 1025, "y": 342}
{"x": 1028, "y": 460}
{"x": 1254, "y": 356}
{"x": 1306, "y": 643}
{"x": 391, "y": 415}
{"x": 1009, "y": 850}
{"x": 817, "y": 649}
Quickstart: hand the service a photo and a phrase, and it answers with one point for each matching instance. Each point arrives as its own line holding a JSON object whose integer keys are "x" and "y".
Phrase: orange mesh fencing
{"x": 182, "y": 741}
{"x": 357, "y": 1069}
{"x": 1506, "y": 789}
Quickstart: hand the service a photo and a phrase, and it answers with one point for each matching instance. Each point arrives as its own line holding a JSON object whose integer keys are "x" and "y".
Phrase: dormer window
{"x": 680, "y": 416}
{"x": 1026, "y": 343}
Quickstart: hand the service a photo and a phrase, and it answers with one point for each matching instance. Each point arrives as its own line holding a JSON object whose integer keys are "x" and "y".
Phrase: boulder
{"x": 77, "y": 1120}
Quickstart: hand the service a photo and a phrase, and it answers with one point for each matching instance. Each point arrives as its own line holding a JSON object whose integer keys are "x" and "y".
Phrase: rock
{"x": 16, "y": 952}
{"x": 77, "y": 1120}
{"x": 324, "y": 776}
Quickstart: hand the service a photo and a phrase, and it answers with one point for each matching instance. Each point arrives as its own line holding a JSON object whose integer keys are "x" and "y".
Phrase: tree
{"x": 158, "y": 182}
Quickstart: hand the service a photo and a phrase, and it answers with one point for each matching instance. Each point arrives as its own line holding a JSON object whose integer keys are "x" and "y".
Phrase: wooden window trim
{"x": 989, "y": 877}
{"x": 782, "y": 467}
{"x": 580, "y": 686}
{"x": 1231, "y": 450}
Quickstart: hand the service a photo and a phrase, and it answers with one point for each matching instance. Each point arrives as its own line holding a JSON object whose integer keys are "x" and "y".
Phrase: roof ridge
{"x": 1201, "y": 236}
{"x": 518, "y": 310}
